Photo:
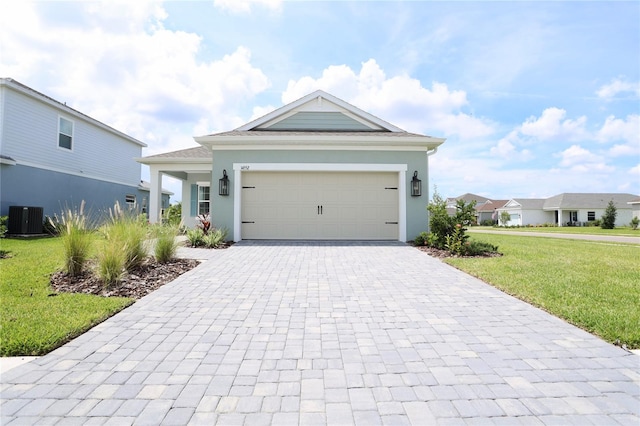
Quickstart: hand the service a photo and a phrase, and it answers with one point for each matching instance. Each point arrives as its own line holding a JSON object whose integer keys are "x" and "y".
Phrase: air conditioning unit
{"x": 25, "y": 220}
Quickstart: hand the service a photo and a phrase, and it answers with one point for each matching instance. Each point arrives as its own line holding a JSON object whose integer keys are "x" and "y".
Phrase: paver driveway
{"x": 339, "y": 333}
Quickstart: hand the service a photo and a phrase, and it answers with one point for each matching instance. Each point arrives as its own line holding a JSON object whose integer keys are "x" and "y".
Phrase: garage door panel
{"x": 320, "y": 205}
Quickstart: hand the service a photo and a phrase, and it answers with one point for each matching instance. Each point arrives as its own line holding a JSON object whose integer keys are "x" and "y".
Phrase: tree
{"x": 505, "y": 217}
{"x": 609, "y": 216}
{"x": 173, "y": 214}
{"x": 442, "y": 225}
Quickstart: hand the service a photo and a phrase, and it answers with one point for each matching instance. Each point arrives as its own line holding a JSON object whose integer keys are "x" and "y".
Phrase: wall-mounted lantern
{"x": 416, "y": 185}
{"x": 223, "y": 184}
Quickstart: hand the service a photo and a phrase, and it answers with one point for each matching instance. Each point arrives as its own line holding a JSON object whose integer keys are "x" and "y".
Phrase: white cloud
{"x": 118, "y": 64}
{"x": 578, "y": 159}
{"x": 553, "y": 125}
{"x": 617, "y": 129}
{"x": 245, "y": 6}
{"x": 401, "y": 100}
{"x": 618, "y": 86}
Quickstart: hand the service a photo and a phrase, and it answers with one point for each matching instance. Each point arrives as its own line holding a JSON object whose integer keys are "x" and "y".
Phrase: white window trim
{"x": 202, "y": 185}
{"x": 73, "y": 130}
{"x": 239, "y": 168}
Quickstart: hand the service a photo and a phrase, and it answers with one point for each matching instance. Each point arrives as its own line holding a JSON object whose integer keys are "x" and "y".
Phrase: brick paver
{"x": 323, "y": 332}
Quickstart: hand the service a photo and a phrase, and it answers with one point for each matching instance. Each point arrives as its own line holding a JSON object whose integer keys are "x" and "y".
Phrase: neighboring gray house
{"x": 467, "y": 198}
{"x": 525, "y": 211}
{"x": 52, "y": 156}
{"x": 579, "y": 208}
{"x": 635, "y": 206}
{"x": 317, "y": 168}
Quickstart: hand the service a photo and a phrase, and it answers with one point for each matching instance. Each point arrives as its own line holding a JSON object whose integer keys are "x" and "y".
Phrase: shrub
{"x": 609, "y": 217}
{"x": 195, "y": 237}
{"x": 166, "y": 244}
{"x": 487, "y": 222}
{"x": 111, "y": 263}
{"x": 441, "y": 224}
{"x": 127, "y": 230}
{"x": 3, "y": 225}
{"x": 634, "y": 223}
{"x": 457, "y": 243}
{"x": 504, "y": 217}
{"x": 215, "y": 238}
{"x": 173, "y": 214}
{"x": 421, "y": 239}
{"x": 479, "y": 248}
{"x": 76, "y": 239}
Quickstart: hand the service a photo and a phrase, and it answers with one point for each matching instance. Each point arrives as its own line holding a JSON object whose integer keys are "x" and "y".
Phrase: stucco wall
{"x": 222, "y": 208}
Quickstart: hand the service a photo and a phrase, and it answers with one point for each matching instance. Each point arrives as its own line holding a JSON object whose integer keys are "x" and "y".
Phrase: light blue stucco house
{"x": 54, "y": 157}
{"x": 317, "y": 168}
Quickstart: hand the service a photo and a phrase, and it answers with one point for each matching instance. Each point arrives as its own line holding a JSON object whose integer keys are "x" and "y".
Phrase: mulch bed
{"x": 138, "y": 283}
{"x": 441, "y": 254}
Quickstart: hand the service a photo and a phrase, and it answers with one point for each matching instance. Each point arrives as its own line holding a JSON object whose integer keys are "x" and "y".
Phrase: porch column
{"x": 560, "y": 221}
{"x": 155, "y": 194}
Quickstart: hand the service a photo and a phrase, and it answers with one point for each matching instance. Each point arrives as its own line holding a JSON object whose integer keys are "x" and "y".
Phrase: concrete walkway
{"x": 605, "y": 238}
{"x": 341, "y": 333}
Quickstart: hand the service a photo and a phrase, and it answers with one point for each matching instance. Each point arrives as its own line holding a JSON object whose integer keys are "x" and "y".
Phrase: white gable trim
{"x": 240, "y": 168}
{"x": 318, "y": 96}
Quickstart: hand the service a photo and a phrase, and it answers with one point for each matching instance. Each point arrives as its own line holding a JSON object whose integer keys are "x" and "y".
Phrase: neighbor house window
{"x": 65, "y": 133}
{"x": 130, "y": 200}
{"x": 203, "y": 199}
{"x": 591, "y": 215}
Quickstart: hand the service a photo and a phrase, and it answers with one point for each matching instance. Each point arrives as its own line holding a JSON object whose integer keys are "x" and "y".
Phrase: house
{"x": 579, "y": 208}
{"x": 635, "y": 206}
{"x": 487, "y": 211}
{"x": 524, "y": 211}
{"x": 317, "y": 168}
{"x": 467, "y": 198}
{"x": 53, "y": 157}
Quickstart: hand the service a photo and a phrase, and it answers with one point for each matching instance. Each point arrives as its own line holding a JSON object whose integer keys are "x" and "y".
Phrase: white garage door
{"x": 320, "y": 205}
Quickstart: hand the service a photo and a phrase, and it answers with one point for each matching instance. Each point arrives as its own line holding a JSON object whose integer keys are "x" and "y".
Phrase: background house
{"x": 635, "y": 207}
{"x": 317, "y": 168}
{"x": 487, "y": 211}
{"x": 525, "y": 211}
{"x": 467, "y": 198}
{"x": 52, "y": 156}
{"x": 580, "y": 208}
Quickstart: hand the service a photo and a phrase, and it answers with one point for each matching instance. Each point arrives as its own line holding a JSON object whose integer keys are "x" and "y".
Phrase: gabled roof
{"x": 319, "y": 101}
{"x": 468, "y": 197}
{"x": 491, "y": 205}
{"x": 146, "y": 186}
{"x": 34, "y": 94}
{"x": 525, "y": 203}
{"x": 319, "y": 121}
{"x": 587, "y": 200}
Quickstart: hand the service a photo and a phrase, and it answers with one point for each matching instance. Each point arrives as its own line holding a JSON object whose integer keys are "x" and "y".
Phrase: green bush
{"x": 215, "y": 237}
{"x": 195, "y": 237}
{"x": 166, "y": 243}
{"x": 111, "y": 263}
{"x": 441, "y": 224}
{"x": 76, "y": 239}
{"x": 421, "y": 239}
{"x": 487, "y": 222}
{"x": 457, "y": 243}
{"x": 173, "y": 215}
{"x": 3, "y": 225}
{"x": 128, "y": 230}
{"x": 479, "y": 248}
{"x": 634, "y": 223}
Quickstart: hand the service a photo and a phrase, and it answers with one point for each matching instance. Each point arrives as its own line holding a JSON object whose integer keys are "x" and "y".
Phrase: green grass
{"x": 33, "y": 320}
{"x": 593, "y": 285}
{"x": 587, "y": 230}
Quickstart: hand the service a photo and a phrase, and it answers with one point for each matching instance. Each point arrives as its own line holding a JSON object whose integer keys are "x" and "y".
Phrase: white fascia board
{"x": 173, "y": 160}
{"x": 320, "y": 142}
{"x": 319, "y": 167}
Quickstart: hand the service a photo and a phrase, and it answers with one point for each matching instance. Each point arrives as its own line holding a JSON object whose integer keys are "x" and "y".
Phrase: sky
{"x": 534, "y": 98}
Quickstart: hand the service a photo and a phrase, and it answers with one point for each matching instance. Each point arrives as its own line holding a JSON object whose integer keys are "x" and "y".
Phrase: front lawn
{"x": 33, "y": 319}
{"x": 594, "y": 285}
{"x": 587, "y": 230}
